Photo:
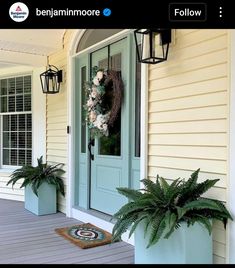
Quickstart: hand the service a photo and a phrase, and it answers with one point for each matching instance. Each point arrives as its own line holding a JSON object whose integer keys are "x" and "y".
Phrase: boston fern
{"x": 163, "y": 207}
{"x": 35, "y": 176}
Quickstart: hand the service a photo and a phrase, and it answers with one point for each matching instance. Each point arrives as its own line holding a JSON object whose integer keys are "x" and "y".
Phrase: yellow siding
{"x": 57, "y": 116}
{"x": 187, "y": 127}
{"x": 6, "y": 192}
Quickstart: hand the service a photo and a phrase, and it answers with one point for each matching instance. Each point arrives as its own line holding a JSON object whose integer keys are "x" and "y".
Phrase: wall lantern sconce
{"x": 50, "y": 80}
{"x": 152, "y": 45}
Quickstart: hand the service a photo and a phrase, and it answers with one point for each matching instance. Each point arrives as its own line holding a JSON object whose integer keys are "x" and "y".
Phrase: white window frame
{"x": 12, "y": 113}
{"x": 38, "y": 111}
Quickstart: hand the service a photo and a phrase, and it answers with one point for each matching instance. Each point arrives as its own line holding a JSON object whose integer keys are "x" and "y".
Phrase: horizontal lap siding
{"x": 57, "y": 117}
{"x": 187, "y": 130}
{"x": 6, "y": 192}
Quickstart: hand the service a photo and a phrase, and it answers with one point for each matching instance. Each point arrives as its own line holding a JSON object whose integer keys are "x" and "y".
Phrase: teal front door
{"x": 112, "y": 161}
{"x": 109, "y": 168}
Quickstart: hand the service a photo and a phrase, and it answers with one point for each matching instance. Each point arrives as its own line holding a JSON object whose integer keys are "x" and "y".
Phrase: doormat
{"x": 85, "y": 235}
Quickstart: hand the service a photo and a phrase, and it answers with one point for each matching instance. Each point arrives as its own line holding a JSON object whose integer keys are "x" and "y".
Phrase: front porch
{"x": 29, "y": 239}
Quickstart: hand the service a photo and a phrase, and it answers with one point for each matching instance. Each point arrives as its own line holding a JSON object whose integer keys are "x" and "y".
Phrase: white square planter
{"x": 186, "y": 245}
{"x": 44, "y": 203}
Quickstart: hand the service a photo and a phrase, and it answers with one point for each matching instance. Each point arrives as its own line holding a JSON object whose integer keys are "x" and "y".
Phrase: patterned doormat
{"x": 85, "y": 235}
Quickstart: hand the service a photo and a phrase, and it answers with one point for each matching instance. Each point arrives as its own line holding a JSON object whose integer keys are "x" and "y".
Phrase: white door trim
{"x": 231, "y": 150}
{"x": 70, "y": 211}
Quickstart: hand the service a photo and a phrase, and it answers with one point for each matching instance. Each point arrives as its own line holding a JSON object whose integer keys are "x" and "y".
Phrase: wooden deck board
{"x": 29, "y": 239}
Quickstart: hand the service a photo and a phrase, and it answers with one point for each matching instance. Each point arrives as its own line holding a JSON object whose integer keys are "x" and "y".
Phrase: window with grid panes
{"x": 16, "y": 121}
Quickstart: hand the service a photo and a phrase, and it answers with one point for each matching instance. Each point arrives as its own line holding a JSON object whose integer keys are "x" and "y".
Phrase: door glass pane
{"x": 111, "y": 145}
{"x": 116, "y": 62}
{"x": 83, "y": 115}
{"x": 103, "y": 64}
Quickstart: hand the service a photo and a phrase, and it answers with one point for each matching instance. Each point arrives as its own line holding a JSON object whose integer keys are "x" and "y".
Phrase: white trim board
{"x": 231, "y": 165}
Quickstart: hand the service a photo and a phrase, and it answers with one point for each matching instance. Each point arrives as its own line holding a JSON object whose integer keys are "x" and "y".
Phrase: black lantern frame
{"x": 50, "y": 80}
{"x": 152, "y": 45}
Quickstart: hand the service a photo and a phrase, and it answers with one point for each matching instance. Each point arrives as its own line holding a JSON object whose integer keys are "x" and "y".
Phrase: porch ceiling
{"x": 28, "y": 46}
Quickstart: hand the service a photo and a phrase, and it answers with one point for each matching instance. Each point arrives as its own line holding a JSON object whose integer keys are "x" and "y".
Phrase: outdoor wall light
{"x": 50, "y": 80}
{"x": 152, "y": 45}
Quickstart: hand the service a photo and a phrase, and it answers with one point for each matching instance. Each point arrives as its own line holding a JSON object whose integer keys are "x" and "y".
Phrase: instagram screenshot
{"x": 117, "y": 133}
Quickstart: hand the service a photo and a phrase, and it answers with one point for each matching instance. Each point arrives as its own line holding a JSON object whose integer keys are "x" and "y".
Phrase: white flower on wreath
{"x": 105, "y": 127}
{"x": 92, "y": 116}
{"x": 90, "y": 103}
{"x": 101, "y": 123}
{"x": 96, "y": 81}
{"x": 100, "y": 75}
{"x": 94, "y": 93}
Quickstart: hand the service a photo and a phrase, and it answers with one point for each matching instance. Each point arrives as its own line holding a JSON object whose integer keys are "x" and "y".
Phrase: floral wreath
{"x": 104, "y": 96}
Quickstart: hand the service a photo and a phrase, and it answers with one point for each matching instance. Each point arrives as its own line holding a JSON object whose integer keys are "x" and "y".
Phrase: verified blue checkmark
{"x": 107, "y": 12}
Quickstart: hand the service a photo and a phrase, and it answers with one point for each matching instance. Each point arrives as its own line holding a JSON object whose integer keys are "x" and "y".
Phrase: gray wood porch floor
{"x": 29, "y": 239}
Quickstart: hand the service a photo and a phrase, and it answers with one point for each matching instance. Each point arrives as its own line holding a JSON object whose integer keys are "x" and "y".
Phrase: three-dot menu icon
{"x": 220, "y": 12}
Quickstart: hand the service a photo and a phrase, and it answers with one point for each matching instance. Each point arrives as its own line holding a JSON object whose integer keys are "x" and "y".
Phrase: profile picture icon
{"x": 18, "y": 12}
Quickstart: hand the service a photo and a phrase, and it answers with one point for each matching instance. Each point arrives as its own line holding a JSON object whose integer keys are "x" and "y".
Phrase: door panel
{"x": 109, "y": 169}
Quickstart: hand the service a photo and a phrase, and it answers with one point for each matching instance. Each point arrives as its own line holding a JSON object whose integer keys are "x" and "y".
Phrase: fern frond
{"x": 170, "y": 220}
{"x": 199, "y": 218}
{"x": 174, "y": 191}
{"x": 137, "y": 222}
{"x": 157, "y": 227}
{"x": 127, "y": 208}
{"x": 164, "y": 185}
{"x": 202, "y": 203}
{"x": 187, "y": 187}
{"x": 201, "y": 188}
{"x": 181, "y": 212}
{"x": 154, "y": 188}
{"x": 223, "y": 209}
{"x": 122, "y": 225}
{"x": 129, "y": 193}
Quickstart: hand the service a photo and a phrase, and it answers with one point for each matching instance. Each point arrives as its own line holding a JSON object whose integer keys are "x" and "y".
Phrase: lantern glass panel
{"x": 157, "y": 47}
{"x": 154, "y": 44}
{"x": 146, "y": 44}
